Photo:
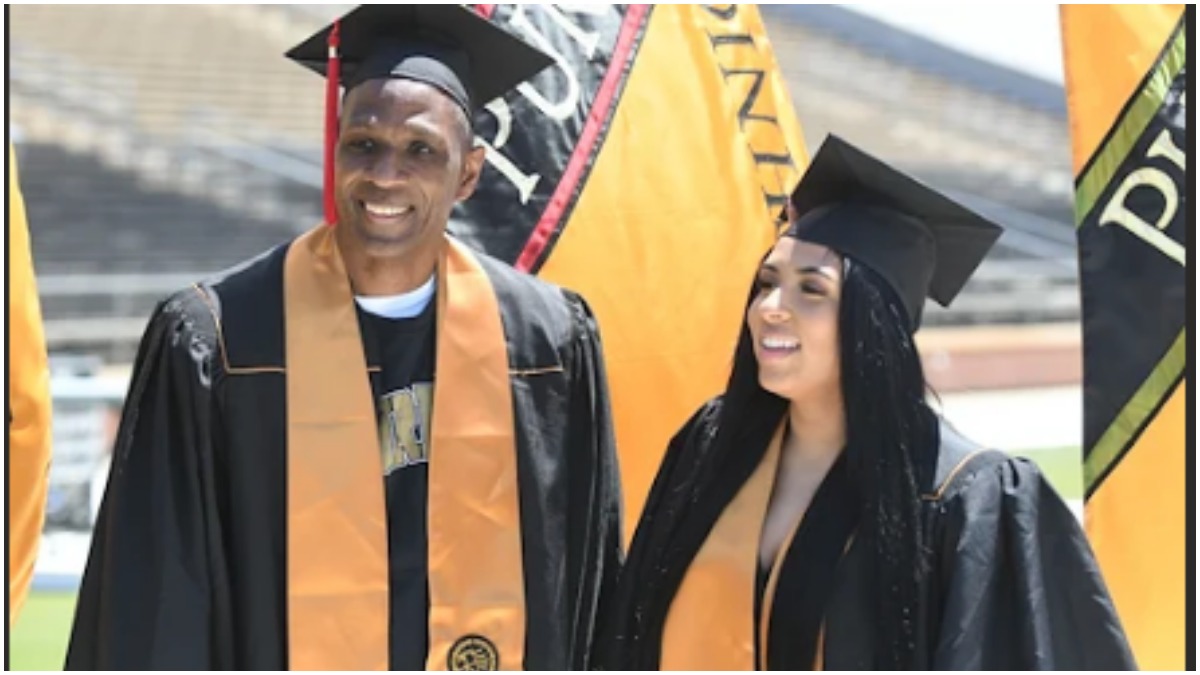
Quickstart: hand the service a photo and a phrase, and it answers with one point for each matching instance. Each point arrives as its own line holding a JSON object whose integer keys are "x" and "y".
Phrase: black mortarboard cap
{"x": 450, "y": 47}
{"x": 920, "y": 241}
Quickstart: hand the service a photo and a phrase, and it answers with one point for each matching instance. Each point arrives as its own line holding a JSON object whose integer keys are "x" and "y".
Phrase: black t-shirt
{"x": 403, "y": 388}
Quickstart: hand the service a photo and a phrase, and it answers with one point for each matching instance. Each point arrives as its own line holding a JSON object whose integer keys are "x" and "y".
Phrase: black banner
{"x": 1133, "y": 247}
{"x": 543, "y": 137}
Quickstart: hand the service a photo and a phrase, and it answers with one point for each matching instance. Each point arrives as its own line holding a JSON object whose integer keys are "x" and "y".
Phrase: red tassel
{"x": 333, "y": 76}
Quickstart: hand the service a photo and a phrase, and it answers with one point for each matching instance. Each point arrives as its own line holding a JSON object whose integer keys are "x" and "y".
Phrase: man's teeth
{"x": 779, "y": 343}
{"x": 387, "y": 211}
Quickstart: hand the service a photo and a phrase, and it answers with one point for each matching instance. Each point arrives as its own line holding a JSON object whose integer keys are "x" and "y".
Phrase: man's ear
{"x": 471, "y": 169}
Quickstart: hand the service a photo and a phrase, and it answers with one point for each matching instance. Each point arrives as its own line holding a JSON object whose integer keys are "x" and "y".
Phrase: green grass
{"x": 39, "y": 639}
{"x": 1063, "y": 467}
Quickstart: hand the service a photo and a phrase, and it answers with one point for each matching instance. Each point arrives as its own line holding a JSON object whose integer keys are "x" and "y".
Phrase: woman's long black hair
{"x": 889, "y": 430}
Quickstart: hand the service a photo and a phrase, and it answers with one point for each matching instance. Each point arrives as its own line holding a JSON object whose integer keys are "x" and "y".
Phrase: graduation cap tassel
{"x": 333, "y": 78}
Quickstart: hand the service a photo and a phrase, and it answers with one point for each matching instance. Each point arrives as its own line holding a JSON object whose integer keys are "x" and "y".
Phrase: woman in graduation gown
{"x": 819, "y": 514}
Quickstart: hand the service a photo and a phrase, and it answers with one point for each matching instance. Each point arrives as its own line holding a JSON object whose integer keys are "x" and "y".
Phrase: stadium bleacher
{"x": 158, "y": 142}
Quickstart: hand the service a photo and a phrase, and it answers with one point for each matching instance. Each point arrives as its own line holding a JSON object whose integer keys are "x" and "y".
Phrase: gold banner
{"x": 679, "y": 207}
{"x": 1127, "y": 98}
{"x": 29, "y": 403}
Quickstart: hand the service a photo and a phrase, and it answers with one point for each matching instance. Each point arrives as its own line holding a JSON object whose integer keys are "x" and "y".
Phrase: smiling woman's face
{"x": 793, "y": 320}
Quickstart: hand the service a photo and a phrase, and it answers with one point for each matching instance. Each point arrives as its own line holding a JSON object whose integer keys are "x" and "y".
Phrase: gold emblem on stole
{"x": 473, "y": 652}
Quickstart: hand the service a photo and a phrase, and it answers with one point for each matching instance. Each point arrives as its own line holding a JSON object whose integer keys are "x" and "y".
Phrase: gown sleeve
{"x": 146, "y": 599}
{"x": 595, "y": 552}
{"x": 1019, "y": 585}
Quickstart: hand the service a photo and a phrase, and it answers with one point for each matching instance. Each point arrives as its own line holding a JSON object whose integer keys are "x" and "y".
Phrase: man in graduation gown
{"x": 369, "y": 448}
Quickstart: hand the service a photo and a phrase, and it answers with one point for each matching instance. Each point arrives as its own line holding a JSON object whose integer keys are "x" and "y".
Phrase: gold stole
{"x": 337, "y": 545}
{"x": 710, "y": 625}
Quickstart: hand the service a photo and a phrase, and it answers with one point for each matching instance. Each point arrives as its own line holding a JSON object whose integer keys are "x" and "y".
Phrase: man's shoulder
{"x": 241, "y": 308}
{"x": 186, "y": 312}
{"x": 202, "y": 301}
{"x": 252, "y": 278}
{"x": 506, "y": 278}
{"x": 527, "y": 300}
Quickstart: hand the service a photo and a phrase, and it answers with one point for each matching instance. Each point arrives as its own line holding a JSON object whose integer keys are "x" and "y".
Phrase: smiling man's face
{"x": 404, "y": 158}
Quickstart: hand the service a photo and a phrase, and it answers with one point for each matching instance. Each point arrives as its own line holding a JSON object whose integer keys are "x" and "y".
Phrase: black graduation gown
{"x": 187, "y": 567}
{"x": 1012, "y": 582}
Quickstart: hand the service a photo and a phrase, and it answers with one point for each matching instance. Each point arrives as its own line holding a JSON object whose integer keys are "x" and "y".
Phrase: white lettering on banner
{"x": 557, "y": 111}
{"x": 1116, "y": 212}
{"x": 525, "y": 183}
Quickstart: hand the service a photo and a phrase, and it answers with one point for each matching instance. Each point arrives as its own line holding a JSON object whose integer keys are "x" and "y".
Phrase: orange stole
{"x": 338, "y": 588}
{"x": 710, "y": 625}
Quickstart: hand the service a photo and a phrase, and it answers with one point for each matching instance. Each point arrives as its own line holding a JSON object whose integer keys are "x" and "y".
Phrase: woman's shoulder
{"x": 685, "y": 458}
{"x": 976, "y": 485}
{"x": 1017, "y": 585}
{"x": 694, "y": 438}
{"x": 704, "y": 420}
{"x": 958, "y": 462}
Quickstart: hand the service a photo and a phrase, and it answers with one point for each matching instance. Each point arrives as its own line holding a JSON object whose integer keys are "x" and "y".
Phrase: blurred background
{"x": 158, "y": 144}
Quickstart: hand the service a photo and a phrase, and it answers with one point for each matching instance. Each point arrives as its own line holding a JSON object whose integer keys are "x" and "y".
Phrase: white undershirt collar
{"x": 401, "y": 306}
